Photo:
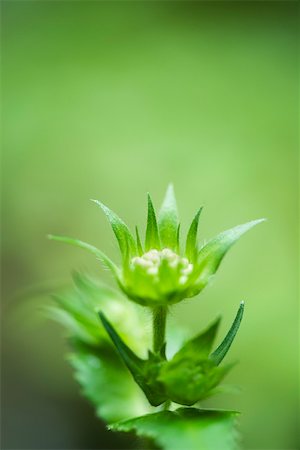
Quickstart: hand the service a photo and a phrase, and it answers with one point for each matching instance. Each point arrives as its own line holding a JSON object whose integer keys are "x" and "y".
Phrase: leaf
{"x": 199, "y": 346}
{"x": 131, "y": 360}
{"x": 107, "y": 384}
{"x": 186, "y": 429}
{"x": 168, "y": 220}
{"x": 104, "y": 379}
{"x": 211, "y": 255}
{"x": 152, "y": 236}
{"x": 143, "y": 371}
{"x": 218, "y": 355}
{"x": 90, "y": 248}
{"x": 122, "y": 232}
{"x": 191, "y": 240}
{"x": 191, "y": 375}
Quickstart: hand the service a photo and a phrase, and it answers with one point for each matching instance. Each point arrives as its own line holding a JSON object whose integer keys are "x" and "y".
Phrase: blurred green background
{"x": 110, "y": 100}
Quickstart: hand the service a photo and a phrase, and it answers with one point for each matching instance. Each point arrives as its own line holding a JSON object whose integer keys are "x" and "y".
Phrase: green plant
{"x": 154, "y": 276}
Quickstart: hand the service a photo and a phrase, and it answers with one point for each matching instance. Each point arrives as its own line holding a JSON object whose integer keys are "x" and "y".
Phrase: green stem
{"x": 159, "y": 335}
{"x": 159, "y": 327}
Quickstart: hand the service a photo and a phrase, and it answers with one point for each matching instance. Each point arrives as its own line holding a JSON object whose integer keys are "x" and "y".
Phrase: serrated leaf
{"x": 77, "y": 310}
{"x": 211, "y": 255}
{"x": 122, "y": 232}
{"x": 218, "y": 355}
{"x": 191, "y": 240}
{"x": 186, "y": 429}
{"x": 152, "y": 236}
{"x": 104, "y": 379}
{"x": 90, "y": 248}
{"x": 168, "y": 219}
{"x": 143, "y": 371}
{"x": 107, "y": 384}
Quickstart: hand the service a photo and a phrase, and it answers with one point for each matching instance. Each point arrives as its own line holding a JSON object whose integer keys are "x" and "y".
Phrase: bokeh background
{"x": 110, "y": 100}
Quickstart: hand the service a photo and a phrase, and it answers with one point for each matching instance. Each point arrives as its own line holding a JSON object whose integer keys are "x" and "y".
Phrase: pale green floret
{"x": 157, "y": 277}
{"x": 152, "y": 260}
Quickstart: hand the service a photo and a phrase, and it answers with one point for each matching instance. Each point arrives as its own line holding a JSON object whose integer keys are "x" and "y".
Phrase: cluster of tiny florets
{"x": 152, "y": 260}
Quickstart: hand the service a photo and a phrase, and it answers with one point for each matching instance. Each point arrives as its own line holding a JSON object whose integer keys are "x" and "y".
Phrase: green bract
{"x": 163, "y": 271}
{"x": 190, "y": 376}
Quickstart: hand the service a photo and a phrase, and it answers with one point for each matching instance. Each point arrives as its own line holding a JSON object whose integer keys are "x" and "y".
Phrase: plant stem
{"x": 159, "y": 327}
{"x": 159, "y": 335}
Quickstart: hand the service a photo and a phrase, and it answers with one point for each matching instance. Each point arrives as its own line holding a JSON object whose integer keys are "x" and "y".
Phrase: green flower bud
{"x": 162, "y": 273}
{"x": 157, "y": 277}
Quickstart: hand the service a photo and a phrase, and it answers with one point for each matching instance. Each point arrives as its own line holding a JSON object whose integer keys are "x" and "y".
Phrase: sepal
{"x": 105, "y": 260}
{"x": 144, "y": 372}
{"x": 152, "y": 234}
{"x": 120, "y": 229}
{"x": 168, "y": 220}
{"x": 210, "y": 256}
{"x": 218, "y": 355}
{"x": 190, "y": 375}
{"x": 191, "y": 240}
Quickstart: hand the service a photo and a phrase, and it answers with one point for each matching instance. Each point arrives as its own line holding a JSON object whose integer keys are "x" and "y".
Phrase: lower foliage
{"x": 106, "y": 382}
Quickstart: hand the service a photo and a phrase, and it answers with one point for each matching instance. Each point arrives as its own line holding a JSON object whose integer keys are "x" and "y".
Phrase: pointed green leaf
{"x": 190, "y": 376}
{"x": 144, "y": 372}
{"x": 131, "y": 360}
{"x": 211, "y": 255}
{"x": 199, "y": 346}
{"x": 138, "y": 241}
{"x": 90, "y": 248}
{"x": 186, "y": 428}
{"x": 120, "y": 229}
{"x": 191, "y": 240}
{"x": 152, "y": 235}
{"x": 168, "y": 220}
{"x": 218, "y": 355}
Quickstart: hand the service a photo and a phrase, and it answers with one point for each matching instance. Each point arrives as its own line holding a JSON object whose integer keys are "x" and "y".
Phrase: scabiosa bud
{"x": 163, "y": 271}
{"x": 158, "y": 276}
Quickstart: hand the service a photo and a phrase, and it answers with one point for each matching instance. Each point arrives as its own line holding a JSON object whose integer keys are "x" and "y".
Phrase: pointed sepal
{"x": 168, "y": 220}
{"x": 152, "y": 235}
{"x": 120, "y": 229}
{"x": 199, "y": 347}
{"x": 190, "y": 375}
{"x": 138, "y": 242}
{"x": 218, "y": 355}
{"x": 211, "y": 255}
{"x": 143, "y": 371}
{"x": 191, "y": 240}
{"x": 105, "y": 260}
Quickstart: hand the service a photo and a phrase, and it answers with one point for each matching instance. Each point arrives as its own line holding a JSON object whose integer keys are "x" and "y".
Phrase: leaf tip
{"x": 98, "y": 203}
{"x": 102, "y": 318}
{"x": 170, "y": 188}
{"x": 257, "y": 221}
